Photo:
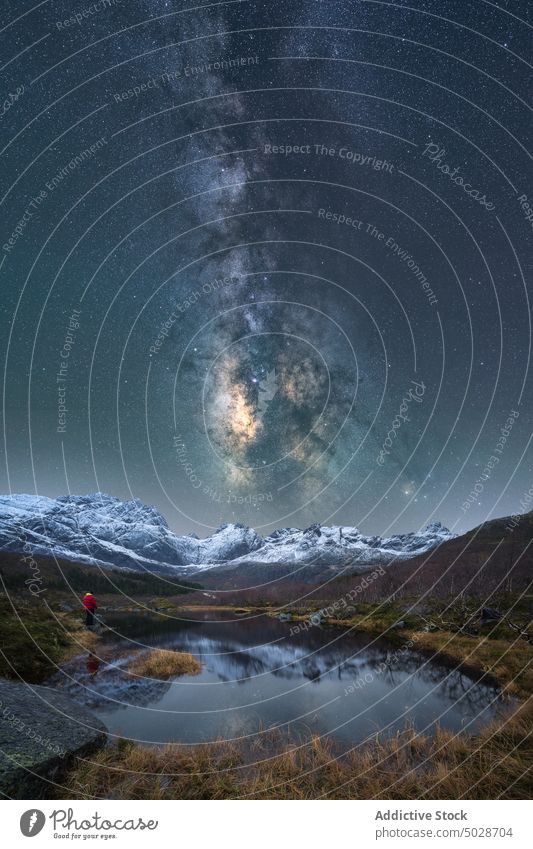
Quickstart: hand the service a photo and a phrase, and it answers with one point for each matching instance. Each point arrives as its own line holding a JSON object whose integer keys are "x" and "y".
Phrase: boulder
{"x": 41, "y": 734}
{"x": 488, "y": 614}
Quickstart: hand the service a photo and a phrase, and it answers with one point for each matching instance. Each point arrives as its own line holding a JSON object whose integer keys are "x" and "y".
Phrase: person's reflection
{"x": 93, "y": 664}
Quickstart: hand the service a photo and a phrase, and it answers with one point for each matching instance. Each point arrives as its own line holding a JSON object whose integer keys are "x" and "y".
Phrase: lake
{"x": 258, "y": 674}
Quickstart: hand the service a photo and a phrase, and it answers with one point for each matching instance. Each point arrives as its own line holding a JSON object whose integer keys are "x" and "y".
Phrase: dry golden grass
{"x": 161, "y": 663}
{"x": 496, "y": 763}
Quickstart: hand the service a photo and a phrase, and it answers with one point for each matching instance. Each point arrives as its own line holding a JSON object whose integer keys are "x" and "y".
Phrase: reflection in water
{"x": 93, "y": 664}
{"x": 257, "y": 675}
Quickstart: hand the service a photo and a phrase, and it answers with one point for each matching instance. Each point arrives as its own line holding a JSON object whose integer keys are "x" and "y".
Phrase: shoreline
{"x": 399, "y": 763}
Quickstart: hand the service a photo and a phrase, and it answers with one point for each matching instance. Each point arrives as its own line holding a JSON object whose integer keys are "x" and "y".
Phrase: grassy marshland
{"x": 494, "y": 763}
{"x": 34, "y": 640}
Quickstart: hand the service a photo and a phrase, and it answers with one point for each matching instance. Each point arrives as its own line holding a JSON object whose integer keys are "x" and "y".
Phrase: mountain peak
{"x": 435, "y": 528}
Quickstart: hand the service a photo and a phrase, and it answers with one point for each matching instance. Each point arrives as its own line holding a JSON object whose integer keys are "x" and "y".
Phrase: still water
{"x": 257, "y": 674}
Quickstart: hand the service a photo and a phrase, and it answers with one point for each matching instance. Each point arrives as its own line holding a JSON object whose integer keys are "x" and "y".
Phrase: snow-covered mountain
{"x": 320, "y": 549}
{"x": 100, "y": 529}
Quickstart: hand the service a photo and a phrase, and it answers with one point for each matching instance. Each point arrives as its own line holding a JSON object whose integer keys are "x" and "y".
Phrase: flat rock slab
{"x": 41, "y": 732}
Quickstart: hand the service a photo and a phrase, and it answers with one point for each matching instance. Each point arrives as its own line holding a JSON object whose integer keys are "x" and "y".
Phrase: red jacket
{"x": 89, "y": 602}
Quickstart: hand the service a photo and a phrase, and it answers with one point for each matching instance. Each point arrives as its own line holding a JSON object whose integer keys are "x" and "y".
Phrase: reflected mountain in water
{"x": 257, "y": 674}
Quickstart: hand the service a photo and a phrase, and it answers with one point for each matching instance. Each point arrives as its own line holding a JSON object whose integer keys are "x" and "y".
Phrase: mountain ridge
{"x": 100, "y": 529}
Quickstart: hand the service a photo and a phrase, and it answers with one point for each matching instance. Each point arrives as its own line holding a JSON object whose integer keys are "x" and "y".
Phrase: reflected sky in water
{"x": 258, "y": 675}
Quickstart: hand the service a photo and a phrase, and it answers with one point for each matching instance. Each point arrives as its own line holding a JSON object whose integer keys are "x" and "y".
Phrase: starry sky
{"x": 269, "y": 262}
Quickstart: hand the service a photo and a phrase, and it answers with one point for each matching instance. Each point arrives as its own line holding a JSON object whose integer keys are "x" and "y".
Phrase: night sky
{"x": 269, "y": 262}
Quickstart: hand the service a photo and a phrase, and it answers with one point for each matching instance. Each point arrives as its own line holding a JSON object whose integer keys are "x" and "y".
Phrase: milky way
{"x": 268, "y": 262}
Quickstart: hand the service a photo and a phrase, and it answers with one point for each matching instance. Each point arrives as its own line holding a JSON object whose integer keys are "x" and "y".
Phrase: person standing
{"x": 90, "y": 605}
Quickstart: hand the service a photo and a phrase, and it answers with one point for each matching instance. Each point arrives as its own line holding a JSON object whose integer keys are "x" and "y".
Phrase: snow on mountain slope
{"x": 105, "y": 531}
{"x": 342, "y": 547}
